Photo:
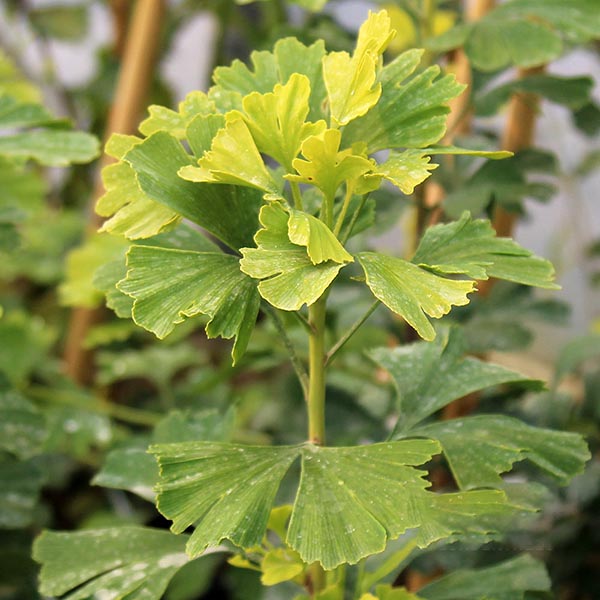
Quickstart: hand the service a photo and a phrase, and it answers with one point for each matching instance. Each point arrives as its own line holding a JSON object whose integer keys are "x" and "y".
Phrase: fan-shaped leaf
{"x": 276, "y": 120}
{"x": 428, "y": 376}
{"x": 411, "y": 115}
{"x": 470, "y": 247}
{"x": 351, "y": 81}
{"x": 289, "y": 56}
{"x": 289, "y": 277}
{"x": 412, "y": 292}
{"x": 176, "y": 122}
{"x": 349, "y": 503}
{"x": 325, "y": 166}
{"x": 233, "y": 158}
{"x": 480, "y": 448}
{"x": 228, "y": 212}
{"x": 169, "y": 285}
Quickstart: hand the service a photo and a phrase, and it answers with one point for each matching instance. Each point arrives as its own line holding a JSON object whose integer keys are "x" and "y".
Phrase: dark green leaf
{"x": 51, "y": 147}
{"x": 169, "y": 285}
{"x": 508, "y": 580}
{"x": 22, "y": 427}
{"x": 572, "y": 92}
{"x": 20, "y": 484}
{"x": 428, "y": 376}
{"x": 228, "y": 212}
{"x": 411, "y": 115}
{"x": 349, "y": 503}
{"x": 470, "y": 247}
{"x": 480, "y": 448}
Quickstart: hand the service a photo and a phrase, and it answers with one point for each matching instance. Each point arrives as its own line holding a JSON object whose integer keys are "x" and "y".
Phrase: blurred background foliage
{"x": 81, "y": 388}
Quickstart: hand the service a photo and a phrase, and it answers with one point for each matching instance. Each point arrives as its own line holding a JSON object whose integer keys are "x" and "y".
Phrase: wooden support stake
{"x": 135, "y": 76}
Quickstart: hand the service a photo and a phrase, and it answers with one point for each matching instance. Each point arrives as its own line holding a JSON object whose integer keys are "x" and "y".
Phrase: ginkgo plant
{"x": 249, "y": 199}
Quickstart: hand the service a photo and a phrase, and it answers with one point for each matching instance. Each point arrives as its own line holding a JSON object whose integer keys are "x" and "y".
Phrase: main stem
{"x": 316, "y": 372}
{"x": 316, "y": 405}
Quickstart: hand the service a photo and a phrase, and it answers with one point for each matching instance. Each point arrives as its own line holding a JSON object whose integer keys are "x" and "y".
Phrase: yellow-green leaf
{"x": 351, "y": 81}
{"x": 279, "y": 565}
{"x": 233, "y": 158}
{"x": 412, "y": 292}
{"x": 321, "y": 244}
{"x": 405, "y": 169}
{"x": 289, "y": 276}
{"x": 176, "y": 122}
{"x": 326, "y": 167}
{"x": 276, "y": 120}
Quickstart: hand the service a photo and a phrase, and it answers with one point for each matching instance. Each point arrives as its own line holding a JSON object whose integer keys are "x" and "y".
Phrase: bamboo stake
{"x": 460, "y": 117}
{"x": 519, "y": 134}
{"x": 139, "y": 57}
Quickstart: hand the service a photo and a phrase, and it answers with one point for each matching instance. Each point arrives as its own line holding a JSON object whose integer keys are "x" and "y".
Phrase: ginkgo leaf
{"x": 412, "y": 292}
{"x": 405, "y": 170}
{"x": 276, "y": 120}
{"x": 387, "y": 592}
{"x": 133, "y": 214}
{"x": 15, "y": 114}
{"x": 350, "y": 501}
{"x": 226, "y": 490}
{"x": 289, "y": 56}
{"x": 321, "y": 244}
{"x": 233, "y": 158}
{"x": 230, "y": 213}
{"x": 289, "y": 276}
{"x": 279, "y": 565}
{"x": 168, "y": 285}
{"x": 53, "y": 147}
{"x": 77, "y": 288}
{"x": 351, "y": 81}
{"x": 201, "y": 131}
{"x": 325, "y": 166}
{"x": 176, "y": 122}
{"x": 130, "y": 562}
{"x": 480, "y": 448}
{"x": 409, "y": 115}
{"x": 428, "y": 376}
{"x": 470, "y": 247}
{"x": 508, "y": 580}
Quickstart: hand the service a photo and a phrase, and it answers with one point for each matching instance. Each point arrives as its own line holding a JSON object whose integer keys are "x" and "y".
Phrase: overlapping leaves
{"x": 350, "y": 501}
{"x": 478, "y": 448}
{"x": 296, "y": 260}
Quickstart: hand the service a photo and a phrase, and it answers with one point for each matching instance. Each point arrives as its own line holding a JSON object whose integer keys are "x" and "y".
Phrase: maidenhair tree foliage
{"x": 276, "y": 162}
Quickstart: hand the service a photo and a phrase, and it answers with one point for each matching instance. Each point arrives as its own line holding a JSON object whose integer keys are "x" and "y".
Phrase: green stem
{"x": 294, "y": 359}
{"x": 342, "y": 341}
{"x": 342, "y": 215}
{"x": 302, "y": 320}
{"x": 296, "y": 195}
{"x": 316, "y": 371}
{"x": 127, "y": 414}
{"x": 348, "y": 232}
